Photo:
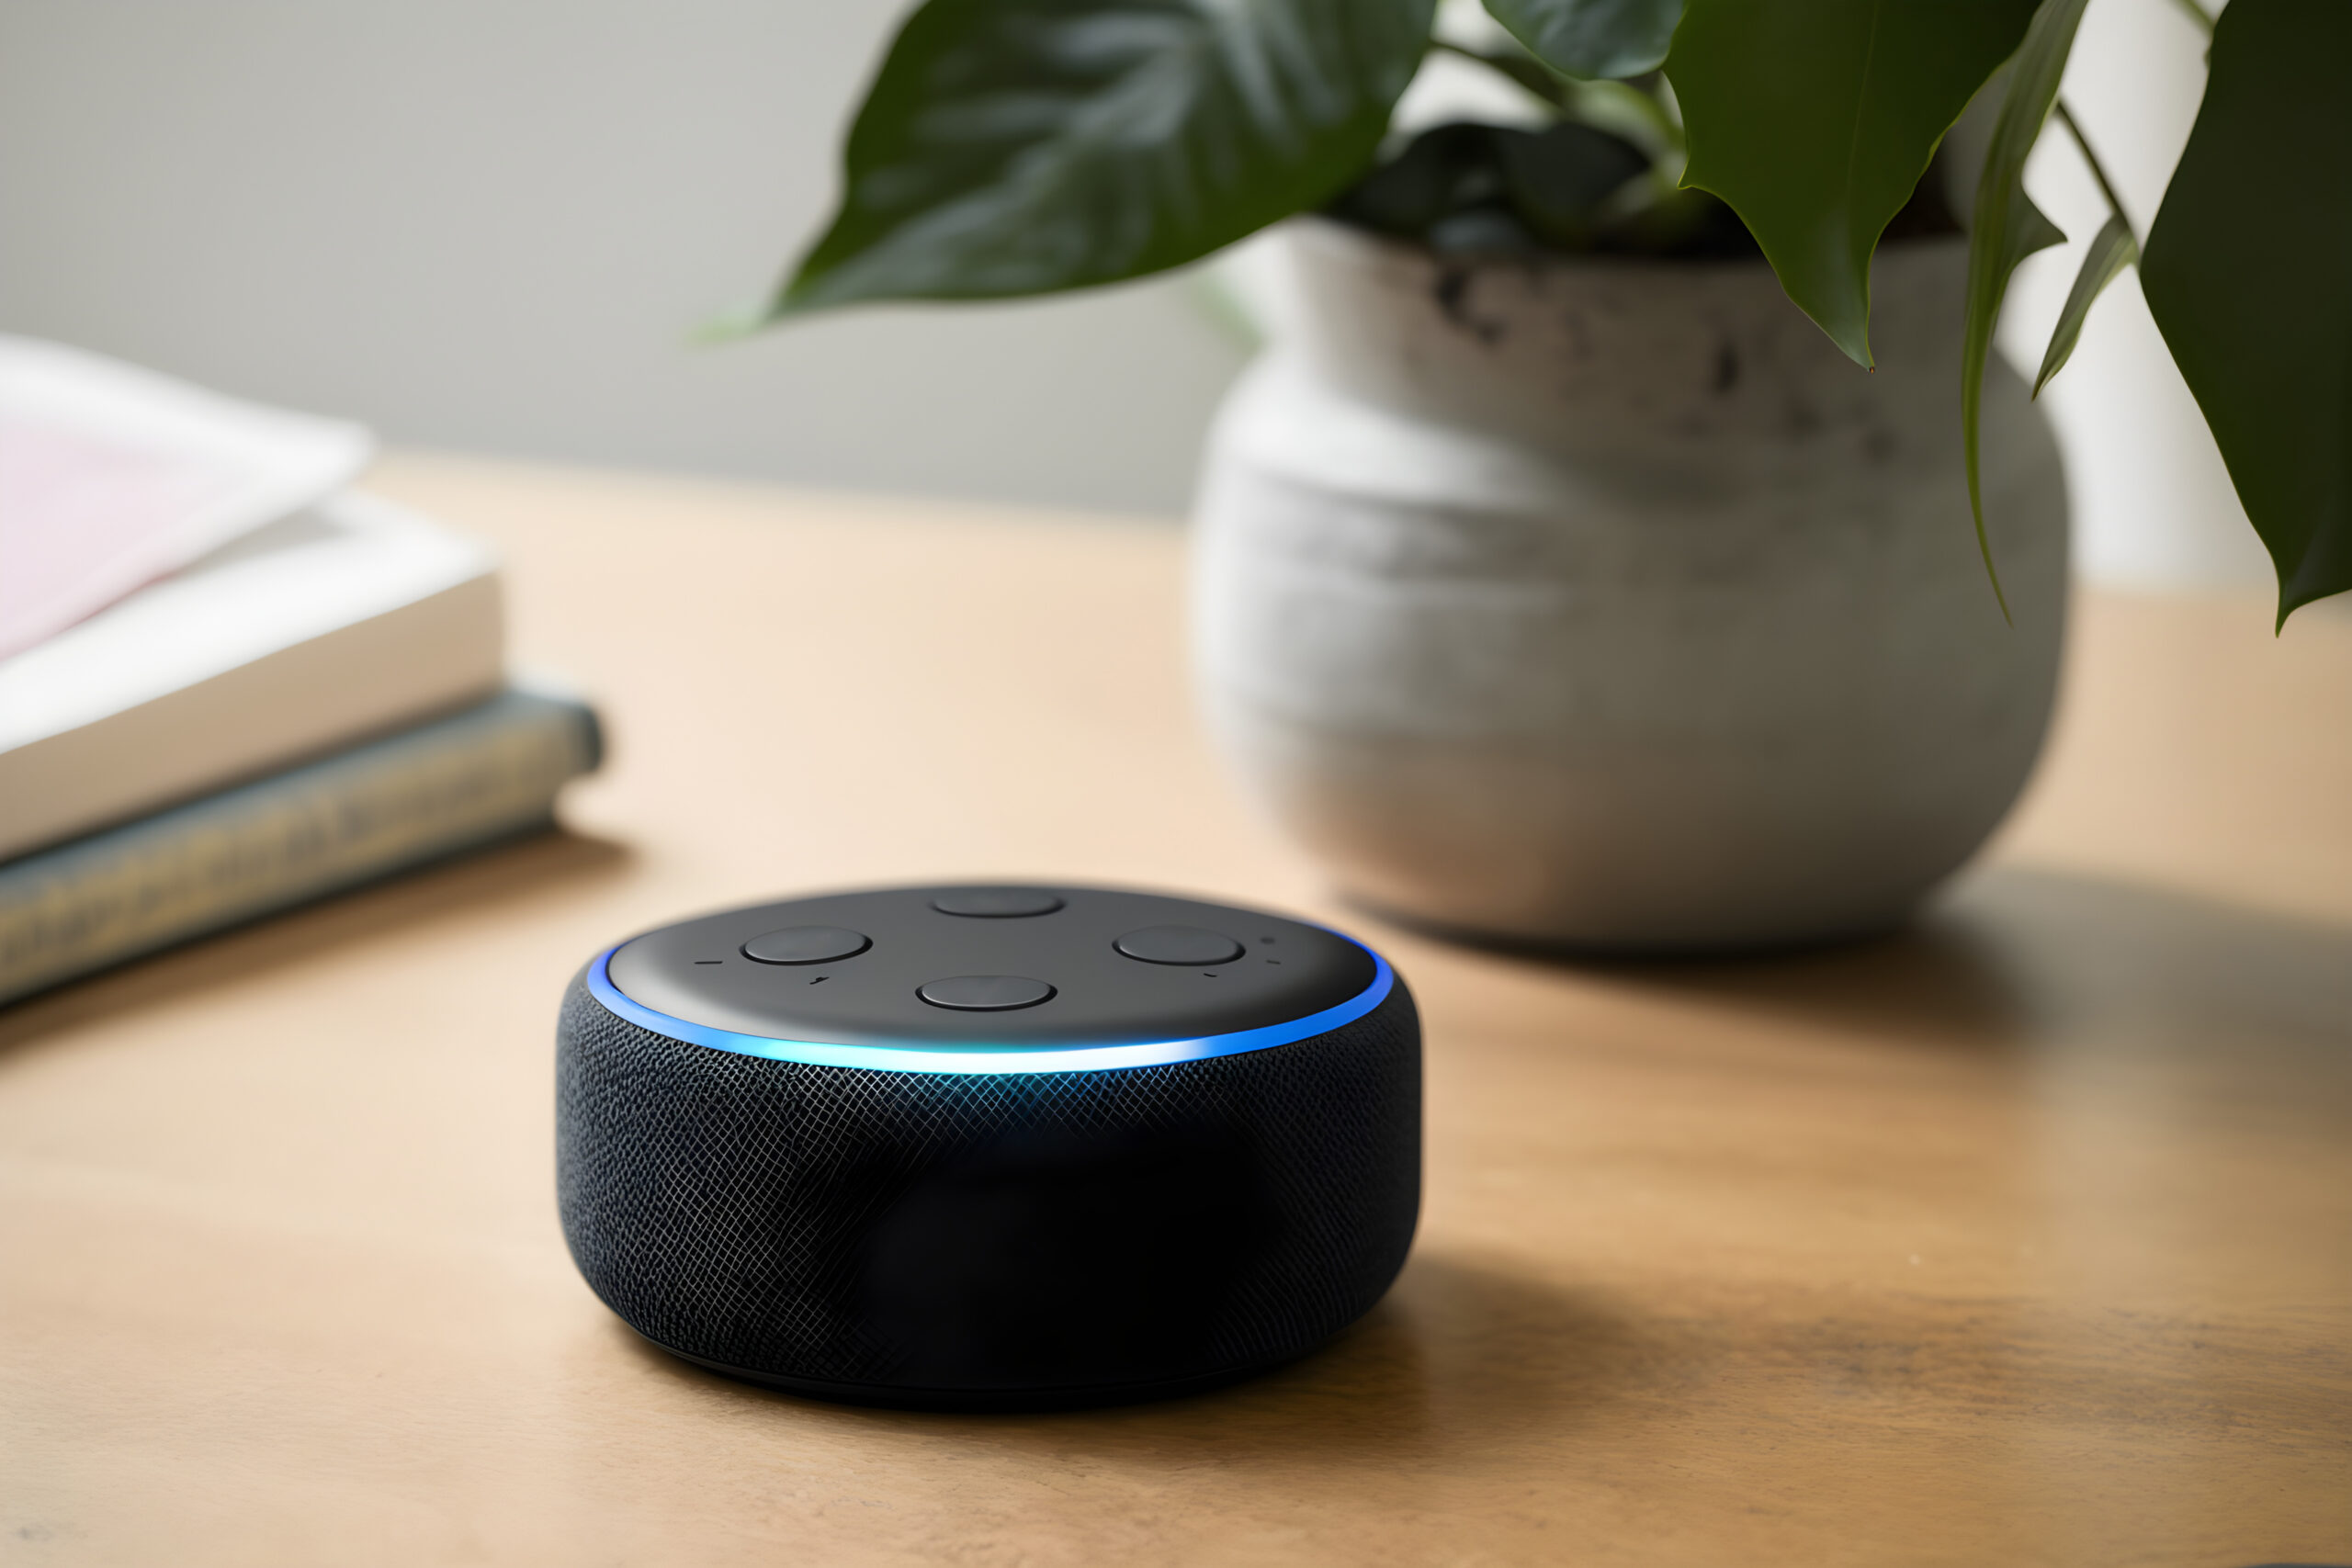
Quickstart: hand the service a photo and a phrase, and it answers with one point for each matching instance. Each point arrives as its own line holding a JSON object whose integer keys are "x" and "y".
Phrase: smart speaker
{"x": 989, "y": 1148}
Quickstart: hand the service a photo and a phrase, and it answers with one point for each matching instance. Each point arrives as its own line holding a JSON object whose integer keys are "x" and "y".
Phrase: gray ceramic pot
{"x": 1606, "y": 603}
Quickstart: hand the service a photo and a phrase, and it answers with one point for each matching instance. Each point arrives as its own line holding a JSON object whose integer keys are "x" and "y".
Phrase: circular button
{"x": 806, "y": 944}
{"x": 1178, "y": 944}
{"x": 985, "y": 993}
{"x": 996, "y": 903}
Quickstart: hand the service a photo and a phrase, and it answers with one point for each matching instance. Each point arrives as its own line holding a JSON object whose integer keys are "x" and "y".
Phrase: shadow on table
{"x": 2017, "y": 954}
{"x": 1460, "y": 1353}
{"x": 491, "y": 875}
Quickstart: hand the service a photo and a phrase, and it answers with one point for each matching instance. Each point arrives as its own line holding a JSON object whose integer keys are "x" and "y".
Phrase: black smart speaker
{"x": 989, "y": 1148}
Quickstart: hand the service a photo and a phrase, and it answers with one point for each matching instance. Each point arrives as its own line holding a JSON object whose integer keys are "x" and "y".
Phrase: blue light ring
{"x": 981, "y": 1058}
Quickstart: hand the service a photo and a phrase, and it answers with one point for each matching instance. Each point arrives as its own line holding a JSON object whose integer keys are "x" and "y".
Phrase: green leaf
{"x": 1557, "y": 179}
{"x": 1444, "y": 169}
{"x": 2111, "y": 250}
{"x": 2005, "y": 228}
{"x": 2248, "y": 273}
{"x": 1815, "y": 121}
{"x": 1591, "y": 37}
{"x": 1519, "y": 189}
{"x": 1015, "y": 147}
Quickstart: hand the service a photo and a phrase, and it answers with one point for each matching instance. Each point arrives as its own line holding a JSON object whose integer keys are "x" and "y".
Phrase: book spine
{"x": 484, "y": 773}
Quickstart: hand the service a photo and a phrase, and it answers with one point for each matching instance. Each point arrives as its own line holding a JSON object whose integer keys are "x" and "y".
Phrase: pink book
{"x": 111, "y": 477}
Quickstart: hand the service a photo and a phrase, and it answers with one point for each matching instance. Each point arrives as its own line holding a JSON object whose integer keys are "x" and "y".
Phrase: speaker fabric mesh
{"x": 915, "y": 1237}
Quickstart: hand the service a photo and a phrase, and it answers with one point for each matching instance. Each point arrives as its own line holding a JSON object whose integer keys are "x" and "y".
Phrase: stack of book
{"x": 230, "y": 682}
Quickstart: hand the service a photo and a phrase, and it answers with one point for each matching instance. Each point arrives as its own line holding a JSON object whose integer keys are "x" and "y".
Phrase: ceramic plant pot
{"x": 1606, "y": 603}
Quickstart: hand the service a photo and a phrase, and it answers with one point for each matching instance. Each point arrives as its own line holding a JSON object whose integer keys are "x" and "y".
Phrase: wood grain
{"x": 2023, "y": 1237}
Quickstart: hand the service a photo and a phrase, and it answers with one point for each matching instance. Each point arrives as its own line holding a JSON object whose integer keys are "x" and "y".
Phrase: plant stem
{"x": 1527, "y": 74}
{"x": 1644, "y": 102}
{"x": 2204, "y": 17}
{"x": 2098, "y": 170}
{"x": 1636, "y": 101}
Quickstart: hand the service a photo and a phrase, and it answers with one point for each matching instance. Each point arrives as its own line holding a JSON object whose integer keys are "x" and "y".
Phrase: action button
{"x": 1188, "y": 945}
{"x": 806, "y": 944}
{"x": 996, "y": 903}
{"x": 985, "y": 993}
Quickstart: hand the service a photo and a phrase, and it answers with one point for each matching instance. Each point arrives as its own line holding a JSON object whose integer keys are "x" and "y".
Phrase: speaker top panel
{"x": 992, "y": 969}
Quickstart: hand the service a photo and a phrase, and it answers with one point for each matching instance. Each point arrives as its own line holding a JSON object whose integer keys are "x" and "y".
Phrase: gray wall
{"x": 491, "y": 225}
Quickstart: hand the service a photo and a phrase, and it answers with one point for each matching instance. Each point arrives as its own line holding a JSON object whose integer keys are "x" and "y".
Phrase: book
{"x": 111, "y": 477}
{"x": 489, "y": 772}
{"x": 351, "y": 617}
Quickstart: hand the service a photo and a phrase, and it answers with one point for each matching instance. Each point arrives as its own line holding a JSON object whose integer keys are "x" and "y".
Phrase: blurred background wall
{"x": 491, "y": 225}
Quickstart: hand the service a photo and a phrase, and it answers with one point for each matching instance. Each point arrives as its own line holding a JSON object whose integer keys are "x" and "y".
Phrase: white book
{"x": 347, "y": 619}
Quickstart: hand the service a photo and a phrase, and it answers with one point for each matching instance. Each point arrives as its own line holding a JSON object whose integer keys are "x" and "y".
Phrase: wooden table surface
{"x": 2024, "y": 1237}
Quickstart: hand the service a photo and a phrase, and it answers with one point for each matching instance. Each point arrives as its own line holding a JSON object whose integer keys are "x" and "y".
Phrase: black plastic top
{"x": 1283, "y": 970}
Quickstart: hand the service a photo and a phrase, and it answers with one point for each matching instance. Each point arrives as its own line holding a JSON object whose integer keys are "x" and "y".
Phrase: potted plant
{"x": 1557, "y": 582}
